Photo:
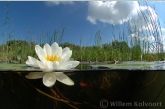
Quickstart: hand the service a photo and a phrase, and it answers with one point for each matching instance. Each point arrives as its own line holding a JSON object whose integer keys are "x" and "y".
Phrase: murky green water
{"x": 132, "y": 85}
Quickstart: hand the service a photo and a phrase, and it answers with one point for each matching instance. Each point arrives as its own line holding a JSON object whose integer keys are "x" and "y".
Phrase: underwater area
{"x": 82, "y": 55}
{"x": 131, "y": 85}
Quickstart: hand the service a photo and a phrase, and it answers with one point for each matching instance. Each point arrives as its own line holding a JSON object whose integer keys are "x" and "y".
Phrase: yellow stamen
{"x": 52, "y": 58}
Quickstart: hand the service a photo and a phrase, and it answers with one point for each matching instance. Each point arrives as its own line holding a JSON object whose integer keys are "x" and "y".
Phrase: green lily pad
{"x": 16, "y": 67}
{"x": 133, "y": 65}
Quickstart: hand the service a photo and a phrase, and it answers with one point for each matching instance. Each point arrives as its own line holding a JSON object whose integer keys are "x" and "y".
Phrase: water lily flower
{"x": 51, "y": 58}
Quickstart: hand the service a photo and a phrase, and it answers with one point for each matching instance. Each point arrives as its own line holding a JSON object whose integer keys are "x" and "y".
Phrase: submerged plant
{"x": 51, "y": 58}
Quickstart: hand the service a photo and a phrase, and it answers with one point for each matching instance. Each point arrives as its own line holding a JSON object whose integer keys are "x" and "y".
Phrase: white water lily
{"x": 51, "y": 58}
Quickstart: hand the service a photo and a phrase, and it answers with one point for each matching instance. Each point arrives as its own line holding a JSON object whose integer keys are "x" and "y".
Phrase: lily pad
{"x": 133, "y": 65}
{"x": 16, "y": 67}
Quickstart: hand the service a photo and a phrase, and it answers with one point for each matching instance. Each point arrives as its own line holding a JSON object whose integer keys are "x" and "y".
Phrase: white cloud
{"x": 113, "y": 12}
{"x": 118, "y": 12}
{"x": 54, "y": 3}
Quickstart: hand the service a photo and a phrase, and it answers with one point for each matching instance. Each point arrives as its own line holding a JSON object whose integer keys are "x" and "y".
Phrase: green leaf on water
{"x": 130, "y": 65}
{"x": 16, "y": 67}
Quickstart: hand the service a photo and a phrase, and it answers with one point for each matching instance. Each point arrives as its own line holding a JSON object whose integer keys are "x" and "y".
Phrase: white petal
{"x": 32, "y": 61}
{"x": 49, "y": 79}
{"x": 43, "y": 60}
{"x": 46, "y": 67}
{"x": 47, "y": 49}
{"x": 49, "y": 65}
{"x": 65, "y": 66}
{"x": 59, "y": 53}
{"x": 69, "y": 65}
{"x": 40, "y": 52}
{"x": 65, "y": 49}
{"x": 64, "y": 78}
{"x": 55, "y": 44}
{"x": 54, "y": 48}
{"x": 35, "y": 75}
{"x": 28, "y": 63}
{"x": 65, "y": 57}
{"x": 74, "y": 63}
{"x": 41, "y": 65}
{"x": 55, "y": 65}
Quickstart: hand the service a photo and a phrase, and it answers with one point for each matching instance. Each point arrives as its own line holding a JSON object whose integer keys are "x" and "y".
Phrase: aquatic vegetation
{"x": 51, "y": 58}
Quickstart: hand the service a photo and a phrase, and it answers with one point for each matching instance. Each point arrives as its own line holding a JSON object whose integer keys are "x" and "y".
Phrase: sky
{"x": 122, "y": 20}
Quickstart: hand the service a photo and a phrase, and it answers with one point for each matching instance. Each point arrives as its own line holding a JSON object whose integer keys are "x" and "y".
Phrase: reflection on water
{"x": 135, "y": 88}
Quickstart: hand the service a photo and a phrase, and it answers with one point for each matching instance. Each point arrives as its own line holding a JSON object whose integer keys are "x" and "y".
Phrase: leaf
{"x": 16, "y": 67}
{"x": 130, "y": 65}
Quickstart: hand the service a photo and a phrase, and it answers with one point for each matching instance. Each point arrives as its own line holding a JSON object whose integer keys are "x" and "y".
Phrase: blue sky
{"x": 79, "y": 19}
